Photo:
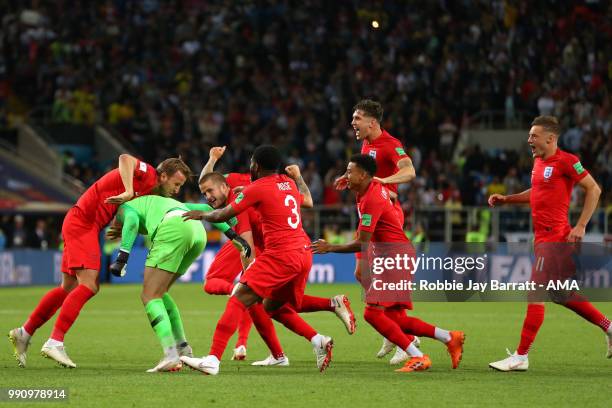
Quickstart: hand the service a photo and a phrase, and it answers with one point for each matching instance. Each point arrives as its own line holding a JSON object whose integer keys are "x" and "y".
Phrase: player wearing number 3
{"x": 277, "y": 277}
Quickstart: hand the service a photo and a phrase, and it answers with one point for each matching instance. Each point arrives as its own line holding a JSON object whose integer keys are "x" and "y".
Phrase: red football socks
{"x": 265, "y": 328}
{"x": 533, "y": 321}
{"x": 589, "y": 312}
{"x": 71, "y": 308}
{"x": 388, "y": 327}
{"x": 291, "y": 320}
{"x": 46, "y": 308}
{"x": 315, "y": 304}
{"x": 217, "y": 286}
{"x": 226, "y": 326}
{"x": 244, "y": 328}
{"x": 412, "y": 325}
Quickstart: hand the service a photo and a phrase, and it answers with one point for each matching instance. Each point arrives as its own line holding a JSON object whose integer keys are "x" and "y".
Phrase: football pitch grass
{"x": 113, "y": 344}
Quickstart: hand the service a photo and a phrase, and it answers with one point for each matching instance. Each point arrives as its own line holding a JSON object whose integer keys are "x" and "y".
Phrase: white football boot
{"x": 20, "y": 341}
{"x": 514, "y": 362}
{"x": 342, "y": 309}
{"x": 323, "y": 352}
{"x": 207, "y": 364}
{"x": 57, "y": 353}
{"x": 240, "y": 353}
{"x": 270, "y": 361}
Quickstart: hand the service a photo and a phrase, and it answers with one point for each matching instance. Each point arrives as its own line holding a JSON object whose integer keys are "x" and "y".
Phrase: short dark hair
{"x": 213, "y": 176}
{"x": 172, "y": 165}
{"x": 549, "y": 123}
{"x": 365, "y": 162}
{"x": 370, "y": 108}
{"x": 268, "y": 158}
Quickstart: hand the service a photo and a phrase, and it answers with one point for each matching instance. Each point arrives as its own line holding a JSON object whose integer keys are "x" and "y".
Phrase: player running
{"x": 554, "y": 175}
{"x": 378, "y": 223}
{"x": 175, "y": 245}
{"x": 81, "y": 257}
{"x": 393, "y": 167}
{"x": 227, "y": 265}
{"x": 277, "y": 277}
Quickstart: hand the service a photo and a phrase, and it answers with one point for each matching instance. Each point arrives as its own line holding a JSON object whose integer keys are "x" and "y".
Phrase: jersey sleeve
{"x": 143, "y": 170}
{"x": 243, "y": 222}
{"x": 223, "y": 226}
{"x": 396, "y": 151}
{"x": 573, "y": 169}
{"x": 370, "y": 214}
{"x": 131, "y": 224}
{"x": 248, "y": 197}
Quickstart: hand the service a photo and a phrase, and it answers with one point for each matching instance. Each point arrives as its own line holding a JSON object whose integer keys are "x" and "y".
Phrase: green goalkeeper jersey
{"x": 143, "y": 215}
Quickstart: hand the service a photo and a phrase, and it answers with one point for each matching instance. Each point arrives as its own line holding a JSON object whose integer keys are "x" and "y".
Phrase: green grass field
{"x": 113, "y": 344}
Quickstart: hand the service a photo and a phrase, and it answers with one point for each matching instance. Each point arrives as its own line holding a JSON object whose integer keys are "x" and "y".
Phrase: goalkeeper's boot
{"x": 240, "y": 353}
{"x": 415, "y": 364}
{"x": 271, "y": 361}
{"x": 57, "y": 353}
{"x": 386, "y": 348}
{"x": 20, "y": 341}
{"x": 455, "y": 347}
{"x": 515, "y": 362}
{"x": 208, "y": 365}
{"x": 168, "y": 363}
{"x": 342, "y": 309}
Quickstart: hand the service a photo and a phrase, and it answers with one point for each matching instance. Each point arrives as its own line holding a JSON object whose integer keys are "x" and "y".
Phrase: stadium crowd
{"x": 179, "y": 77}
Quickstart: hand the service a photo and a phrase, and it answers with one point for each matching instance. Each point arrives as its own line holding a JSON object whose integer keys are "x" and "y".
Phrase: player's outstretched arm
{"x": 520, "y": 198}
{"x": 127, "y": 166}
{"x": 293, "y": 171}
{"x": 223, "y": 226}
{"x": 591, "y": 198}
{"x": 321, "y": 246}
{"x": 405, "y": 173}
{"x": 213, "y": 157}
{"x": 221, "y": 215}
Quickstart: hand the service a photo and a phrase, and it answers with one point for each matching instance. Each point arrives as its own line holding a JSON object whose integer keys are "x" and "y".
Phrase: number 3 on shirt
{"x": 290, "y": 200}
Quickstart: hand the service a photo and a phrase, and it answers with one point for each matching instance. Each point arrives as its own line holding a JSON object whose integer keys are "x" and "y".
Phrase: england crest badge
{"x": 548, "y": 172}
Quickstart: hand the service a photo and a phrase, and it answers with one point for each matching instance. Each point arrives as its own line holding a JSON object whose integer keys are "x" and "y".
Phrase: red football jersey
{"x": 277, "y": 200}
{"x": 378, "y": 215}
{"x": 552, "y": 181}
{"x": 248, "y": 220}
{"x": 387, "y": 151}
{"x": 91, "y": 203}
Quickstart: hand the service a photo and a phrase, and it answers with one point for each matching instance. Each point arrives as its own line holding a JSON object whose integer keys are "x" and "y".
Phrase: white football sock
{"x": 442, "y": 335}
{"x": 316, "y": 340}
{"x": 25, "y": 333}
{"x": 413, "y": 351}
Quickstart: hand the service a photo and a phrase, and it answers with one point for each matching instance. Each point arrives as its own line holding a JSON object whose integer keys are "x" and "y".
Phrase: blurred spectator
{"x": 19, "y": 234}
{"x": 40, "y": 238}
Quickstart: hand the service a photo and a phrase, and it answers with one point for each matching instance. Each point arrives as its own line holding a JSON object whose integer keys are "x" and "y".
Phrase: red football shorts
{"x": 226, "y": 265}
{"x": 554, "y": 261}
{"x": 81, "y": 243}
{"x": 280, "y": 275}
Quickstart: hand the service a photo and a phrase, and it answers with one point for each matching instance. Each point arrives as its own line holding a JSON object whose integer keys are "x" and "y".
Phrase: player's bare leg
{"x": 88, "y": 286}
{"x": 156, "y": 284}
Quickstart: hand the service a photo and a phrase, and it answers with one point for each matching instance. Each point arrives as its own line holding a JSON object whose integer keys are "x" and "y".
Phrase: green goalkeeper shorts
{"x": 176, "y": 244}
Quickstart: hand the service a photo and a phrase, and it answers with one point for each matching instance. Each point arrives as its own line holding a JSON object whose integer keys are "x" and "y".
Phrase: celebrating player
{"x": 227, "y": 264}
{"x": 277, "y": 277}
{"x": 174, "y": 247}
{"x": 554, "y": 175}
{"x": 393, "y": 167}
{"x": 81, "y": 257}
{"x": 378, "y": 223}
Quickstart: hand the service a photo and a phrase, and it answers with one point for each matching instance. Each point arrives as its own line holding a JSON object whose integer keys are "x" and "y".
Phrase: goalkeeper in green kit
{"x": 175, "y": 246}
